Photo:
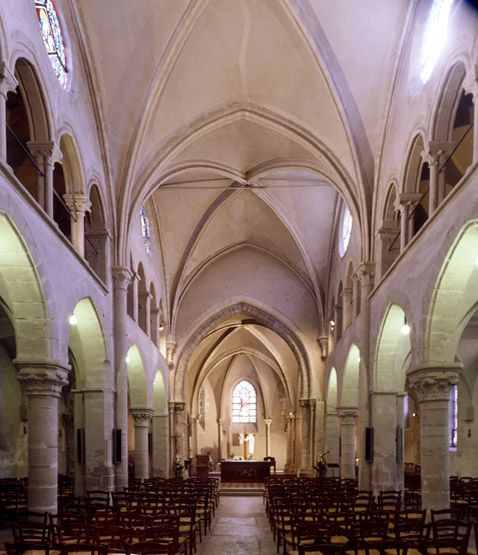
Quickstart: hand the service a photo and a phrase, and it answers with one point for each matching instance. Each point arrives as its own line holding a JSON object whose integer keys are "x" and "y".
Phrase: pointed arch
{"x": 263, "y": 318}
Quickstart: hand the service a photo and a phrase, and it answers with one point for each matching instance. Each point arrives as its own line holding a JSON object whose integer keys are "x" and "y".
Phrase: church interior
{"x": 241, "y": 229}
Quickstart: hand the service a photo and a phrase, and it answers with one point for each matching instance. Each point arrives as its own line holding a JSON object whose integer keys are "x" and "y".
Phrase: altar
{"x": 244, "y": 471}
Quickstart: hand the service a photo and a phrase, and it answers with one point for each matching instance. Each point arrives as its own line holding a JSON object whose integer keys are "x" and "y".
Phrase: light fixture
{"x": 73, "y": 320}
{"x": 414, "y": 413}
{"x": 405, "y": 329}
{"x": 161, "y": 327}
{"x": 126, "y": 360}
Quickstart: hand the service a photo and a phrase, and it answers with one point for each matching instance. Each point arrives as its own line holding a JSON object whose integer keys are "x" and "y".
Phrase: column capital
{"x": 142, "y": 416}
{"x": 432, "y": 382}
{"x": 407, "y": 200}
{"x": 345, "y": 412}
{"x": 435, "y": 150}
{"x": 170, "y": 350}
{"x": 323, "y": 341}
{"x": 48, "y": 150}
{"x": 365, "y": 272}
{"x": 268, "y": 421}
{"x": 8, "y": 81}
{"x": 77, "y": 203}
{"x": 470, "y": 83}
{"x": 121, "y": 277}
{"x": 42, "y": 378}
{"x": 176, "y": 406}
{"x": 307, "y": 404}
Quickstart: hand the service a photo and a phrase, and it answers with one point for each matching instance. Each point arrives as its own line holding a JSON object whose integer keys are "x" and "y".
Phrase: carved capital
{"x": 365, "y": 273}
{"x": 436, "y": 151}
{"x": 432, "y": 383}
{"x": 268, "y": 421}
{"x": 170, "y": 350}
{"x": 47, "y": 151}
{"x": 42, "y": 378}
{"x": 77, "y": 203}
{"x": 121, "y": 277}
{"x": 8, "y": 81}
{"x": 176, "y": 406}
{"x": 347, "y": 412}
{"x": 324, "y": 346}
{"x": 307, "y": 404}
{"x": 406, "y": 202}
{"x": 470, "y": 83}
{"x": 142, "y": 417}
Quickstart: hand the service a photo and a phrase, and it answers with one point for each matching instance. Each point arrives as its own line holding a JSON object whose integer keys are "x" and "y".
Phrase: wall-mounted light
{"x": 126, "y": 360}
{"x": 405, "y": 329}
{"x": 161, "y": 327}
{"x": 73, "y": 320}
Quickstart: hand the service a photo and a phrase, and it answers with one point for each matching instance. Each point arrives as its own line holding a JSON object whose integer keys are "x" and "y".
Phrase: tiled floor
{"x": 239, "y": 528}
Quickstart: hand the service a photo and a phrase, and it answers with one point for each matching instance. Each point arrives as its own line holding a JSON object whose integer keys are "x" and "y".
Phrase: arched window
{"x": 345, "y": 230}
{"x": 145, "y": 229}
{"x": 52, "y": 36}
{"x": 244, "y": 403}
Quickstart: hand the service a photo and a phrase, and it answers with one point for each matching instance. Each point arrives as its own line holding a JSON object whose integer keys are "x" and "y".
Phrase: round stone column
{"x": 142, "y": 420}
{"x": 347, "y": 436}
{"x": 42, "y": 384}
{"x": 431, "y": 386}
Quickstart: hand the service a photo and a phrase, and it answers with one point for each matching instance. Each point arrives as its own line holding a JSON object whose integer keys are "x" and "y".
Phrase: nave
{"x": 240, "y": 528}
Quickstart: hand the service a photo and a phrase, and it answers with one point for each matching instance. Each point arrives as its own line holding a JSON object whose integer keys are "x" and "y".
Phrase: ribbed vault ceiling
{"x": 243, "y": 123}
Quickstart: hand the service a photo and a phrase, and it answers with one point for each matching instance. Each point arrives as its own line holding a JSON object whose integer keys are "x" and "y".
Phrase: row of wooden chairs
{"x": 377, "y": 532}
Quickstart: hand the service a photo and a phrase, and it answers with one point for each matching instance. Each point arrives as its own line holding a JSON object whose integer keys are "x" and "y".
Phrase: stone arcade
{"x": 231, "y": 220}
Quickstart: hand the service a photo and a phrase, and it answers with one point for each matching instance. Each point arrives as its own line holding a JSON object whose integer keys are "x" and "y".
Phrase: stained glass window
{"x": 52, "y": 36}
{"x": 244, "y": 403}
{"x": 145, "y": 229}
{"x": 345, "y": 231}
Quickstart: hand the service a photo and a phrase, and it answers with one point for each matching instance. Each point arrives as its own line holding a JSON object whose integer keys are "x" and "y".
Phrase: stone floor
{"x": 240, "y": 527}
